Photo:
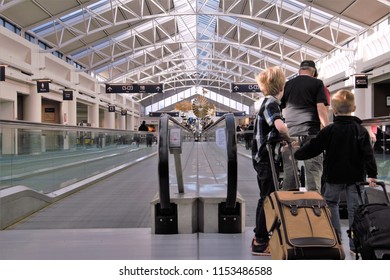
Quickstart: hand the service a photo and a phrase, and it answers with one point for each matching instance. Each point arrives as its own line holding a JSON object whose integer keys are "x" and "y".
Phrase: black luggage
{"x": 370, "y": 230}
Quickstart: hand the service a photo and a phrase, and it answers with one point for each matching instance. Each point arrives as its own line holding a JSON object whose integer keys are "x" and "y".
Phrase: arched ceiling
{"x": 187, "y": 43}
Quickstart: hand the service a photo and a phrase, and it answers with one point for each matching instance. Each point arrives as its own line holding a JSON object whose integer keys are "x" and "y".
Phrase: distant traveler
{"x": 248, "y": 136}
{"x": 349, "y": 157}
{"x": 143, "y": 127}
{"x": 239, "y": 133}
{"x": 305, "y": 110}
{"x": 149, "y": 136}
{"x": 268, "y": 126}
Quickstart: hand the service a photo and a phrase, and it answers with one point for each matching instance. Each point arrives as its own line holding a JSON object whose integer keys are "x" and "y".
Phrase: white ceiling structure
{"x": 192, "y": 43}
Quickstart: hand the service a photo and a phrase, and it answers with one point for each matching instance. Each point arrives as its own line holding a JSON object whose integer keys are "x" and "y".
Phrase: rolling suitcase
{"x": 299, "y": 223}
{"x": 370, "y": 230}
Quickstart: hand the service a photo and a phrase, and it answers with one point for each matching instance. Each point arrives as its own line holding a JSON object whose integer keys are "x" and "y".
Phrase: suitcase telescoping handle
{"x": 378, "y": 183}
{"x": 273, "y": 168}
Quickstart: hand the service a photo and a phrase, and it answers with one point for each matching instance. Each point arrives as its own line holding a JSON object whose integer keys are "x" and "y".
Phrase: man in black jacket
{"x": 349, "y": 157}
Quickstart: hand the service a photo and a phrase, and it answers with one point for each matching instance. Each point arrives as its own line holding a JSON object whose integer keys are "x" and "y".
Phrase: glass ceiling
{"x": 186, "y": 44}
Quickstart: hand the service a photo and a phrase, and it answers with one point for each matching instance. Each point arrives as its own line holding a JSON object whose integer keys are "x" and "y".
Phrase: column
{"x": 93, "y": 115}
{"x": 72, "y": 112}
{"x": 122, "y": 122}
{"x": 363, "y": 101}
{"x": 33, "y": 106}
{"x": 109, "y": 119}
{"x": 131, "y": 125}
{"x": 33, "y": 140}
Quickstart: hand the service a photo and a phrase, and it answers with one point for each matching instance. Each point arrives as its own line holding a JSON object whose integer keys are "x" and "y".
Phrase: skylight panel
{"x": 212, "y": 4}
{"x": 97, "y": 7}
{"x": 73, "y": 17}
{"x": 47, "y": 27}
{"x": 98, "y": 4}
{"x": 348, "y": 26}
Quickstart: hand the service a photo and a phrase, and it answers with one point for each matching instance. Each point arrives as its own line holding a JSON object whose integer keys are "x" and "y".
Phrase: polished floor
{"x": 111, "y": 220}
{"x": 126, "y": 244}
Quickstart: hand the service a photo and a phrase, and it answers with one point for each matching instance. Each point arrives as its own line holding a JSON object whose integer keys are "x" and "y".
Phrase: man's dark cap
{"x": 307, "y": 63}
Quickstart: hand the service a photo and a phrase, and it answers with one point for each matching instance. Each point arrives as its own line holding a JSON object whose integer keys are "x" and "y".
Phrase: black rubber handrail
{"x": 377, "y": 121}
{"x": 163, "y": 163}
{"x": 231, "y": 149}
{"x": 163, "y": 159}
{"x": 62, "y": 127}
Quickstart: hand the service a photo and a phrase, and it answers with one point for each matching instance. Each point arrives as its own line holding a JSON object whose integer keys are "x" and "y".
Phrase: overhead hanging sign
{"x": 134, "y": 88}
{"x": 239, "y": 114}
{"x": 236, "y": 114}
{"x": 241, "y": 87}
{"x": 2, "y": 73}
{"x": 220, "y": 114}
{"x": 43, "y": 86}
{"x": 158, "y": 114}
{"x": 361, "y": 81}
{"x": 111, "y": 108}
{"x": 67, "y": 95}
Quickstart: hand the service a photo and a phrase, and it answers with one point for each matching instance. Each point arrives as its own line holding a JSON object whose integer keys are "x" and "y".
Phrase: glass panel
{"x": 46, "y": 158}
{"x": 382, "y": 151}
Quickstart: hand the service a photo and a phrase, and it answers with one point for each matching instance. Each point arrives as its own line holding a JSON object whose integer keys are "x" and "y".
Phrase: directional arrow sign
{"x": 245, "y": 87}
{"x": 157, "y": 88}
{"x": 122, "y": 88}
{"x": 134, "y": 88}
{"x": 158, "y": 114}
{"x": 239, "y": 114}
{"x": 220, "y": 114}
{"x": 236, "y": 114}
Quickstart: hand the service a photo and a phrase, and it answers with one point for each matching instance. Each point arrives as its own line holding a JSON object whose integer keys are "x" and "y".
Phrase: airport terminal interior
{"x": 78, "y": 177}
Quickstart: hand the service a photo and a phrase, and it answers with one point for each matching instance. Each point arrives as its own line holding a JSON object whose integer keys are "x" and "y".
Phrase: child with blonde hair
{"x": 268, "y": 126}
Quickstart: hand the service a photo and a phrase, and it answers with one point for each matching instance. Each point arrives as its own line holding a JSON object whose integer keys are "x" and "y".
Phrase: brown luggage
{"x": 299, "y": 224}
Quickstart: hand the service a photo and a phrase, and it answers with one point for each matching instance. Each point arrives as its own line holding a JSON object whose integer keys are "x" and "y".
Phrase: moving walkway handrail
{"x": 62, "y": 127}
{"x": 377, "y": 121}
{"x": 231, "y": 148}
{"x": 163, "y": 157}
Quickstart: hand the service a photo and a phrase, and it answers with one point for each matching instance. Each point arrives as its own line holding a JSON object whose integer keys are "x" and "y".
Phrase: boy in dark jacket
{"x": 348, "y": 155}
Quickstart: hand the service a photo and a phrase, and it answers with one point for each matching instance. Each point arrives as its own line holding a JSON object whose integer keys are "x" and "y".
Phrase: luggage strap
{"x": 314, "y": 204}
{"x": 276, "y": 224}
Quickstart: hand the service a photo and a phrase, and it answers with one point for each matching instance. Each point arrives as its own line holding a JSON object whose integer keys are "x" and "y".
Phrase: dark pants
{"x": 266, "y": 187}
{"x": 248, "y": 140}
{"x": 149, "y": 140}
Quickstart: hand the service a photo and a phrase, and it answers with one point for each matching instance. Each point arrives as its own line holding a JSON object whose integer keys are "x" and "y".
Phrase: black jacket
{"x": 349, "y": 156}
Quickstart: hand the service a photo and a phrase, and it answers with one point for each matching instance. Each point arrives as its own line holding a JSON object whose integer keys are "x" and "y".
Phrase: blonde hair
{"x": 271, "y": 81}
{"x": 343, "y": 102}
